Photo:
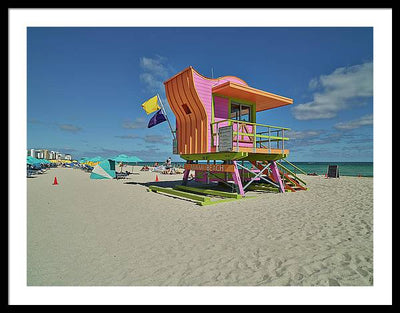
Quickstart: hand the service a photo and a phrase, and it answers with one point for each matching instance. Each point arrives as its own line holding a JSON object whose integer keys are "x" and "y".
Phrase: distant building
{"x": 38, "y": 154}
{"x": 48, "y": 155}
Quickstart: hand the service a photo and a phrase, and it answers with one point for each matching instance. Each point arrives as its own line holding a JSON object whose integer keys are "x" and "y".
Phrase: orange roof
{"x": 263, "y": 100}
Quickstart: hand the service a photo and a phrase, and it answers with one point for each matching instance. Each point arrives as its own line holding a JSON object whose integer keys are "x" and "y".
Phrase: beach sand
{"x": 85, "y": 232}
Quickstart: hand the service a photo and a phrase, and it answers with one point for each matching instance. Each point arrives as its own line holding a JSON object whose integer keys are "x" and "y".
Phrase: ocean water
{"x": 364, "y": 169}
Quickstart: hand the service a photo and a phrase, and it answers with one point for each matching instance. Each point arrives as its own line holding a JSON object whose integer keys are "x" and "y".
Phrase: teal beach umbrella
{"x": 33, "y": 161}
{"x": 129, "y": 160}
{"x": 104, "y": 170}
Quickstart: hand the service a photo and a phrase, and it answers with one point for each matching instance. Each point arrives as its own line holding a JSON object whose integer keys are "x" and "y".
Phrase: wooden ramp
{"x": 198, "y": 195}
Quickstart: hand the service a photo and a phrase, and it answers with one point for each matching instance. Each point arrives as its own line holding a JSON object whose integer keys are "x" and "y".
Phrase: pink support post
{"x": 277, "y": 177}
{"x": 237, "y": 180}
{"x": 185, "y": 177}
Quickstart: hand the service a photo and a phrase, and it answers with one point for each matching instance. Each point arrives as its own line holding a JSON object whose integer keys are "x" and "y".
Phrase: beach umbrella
{"x": 83, "y": 160}
{"x": 126, "y": 159}
{"x": 31, "y": 160}
{"x": 103, "y": 170}
{"x": 120, "y": 158}
{"x": 34, "y": 162}
{"x": 94, "y": 161}
{"x": 136, "y": 159}
{"x": 97, "y": 159}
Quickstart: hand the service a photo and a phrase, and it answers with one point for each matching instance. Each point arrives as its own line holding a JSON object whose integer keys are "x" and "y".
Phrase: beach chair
{"x": 30, "y": 173}
{"x": 121, "y": 175}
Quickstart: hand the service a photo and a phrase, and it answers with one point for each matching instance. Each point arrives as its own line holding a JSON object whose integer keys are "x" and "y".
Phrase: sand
{"x": 85, "y": 232}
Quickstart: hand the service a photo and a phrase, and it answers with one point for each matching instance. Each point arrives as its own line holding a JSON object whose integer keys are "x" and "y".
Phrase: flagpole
{"x": 165, "y": 114}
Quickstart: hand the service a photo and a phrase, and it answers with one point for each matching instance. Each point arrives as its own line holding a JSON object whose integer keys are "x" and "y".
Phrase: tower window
{"x": 186, "y": 108}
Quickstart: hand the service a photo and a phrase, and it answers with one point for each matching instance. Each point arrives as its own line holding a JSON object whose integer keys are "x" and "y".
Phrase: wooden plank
{"x": 216, "y": 201}
{"x": 262, "y": 187}
{"x": 276, "y": 138}
{"x": 178, "y": 193}
{"x": 215, "y": 156}
{"x": 249, "y": 123}
{"x": 209, "y": 192}
{"x": 224, "y": 200}
{"x": 263, "y": 150}
{"x": 210, "y": 167}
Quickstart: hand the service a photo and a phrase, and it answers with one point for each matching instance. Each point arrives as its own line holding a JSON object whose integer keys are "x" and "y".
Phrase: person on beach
{"x": 144, "y": 168}
{"x": 168, "y": 163}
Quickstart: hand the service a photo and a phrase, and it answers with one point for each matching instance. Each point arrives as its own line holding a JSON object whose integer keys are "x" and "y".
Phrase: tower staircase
{"x": 290, "y": 180}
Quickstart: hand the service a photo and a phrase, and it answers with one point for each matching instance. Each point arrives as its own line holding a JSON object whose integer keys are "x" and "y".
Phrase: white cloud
{"x": 139, "y": 122}
{"x": 155, "y": 72}
{"x": 316, "y": 137}
{"x": 154, "y": 66}
{"x": 304, "y": 134}
{"x": 157, "y": 139}
{"x": 69, "y": 128}
{"x": 152, "y": 83}
{"x": 128, "y": 136}
{"x": 313, "y": 84}
{"x": 337, "y": 91}
{"x": 362, "y": 121}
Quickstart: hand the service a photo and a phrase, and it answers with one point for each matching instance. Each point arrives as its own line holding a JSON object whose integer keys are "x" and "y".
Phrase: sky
{"x": 86, "y": 86}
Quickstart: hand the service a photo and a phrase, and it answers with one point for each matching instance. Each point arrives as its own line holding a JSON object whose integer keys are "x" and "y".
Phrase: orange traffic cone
{"x": 157, "y": 178}
{"x": 55, "y": 181}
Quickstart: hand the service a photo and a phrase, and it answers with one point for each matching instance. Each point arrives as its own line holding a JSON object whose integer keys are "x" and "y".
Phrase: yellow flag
{"x": 151, "y": 105}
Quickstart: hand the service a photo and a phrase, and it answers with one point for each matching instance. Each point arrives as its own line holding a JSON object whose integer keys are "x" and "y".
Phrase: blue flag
{"x": 157, "y": 118}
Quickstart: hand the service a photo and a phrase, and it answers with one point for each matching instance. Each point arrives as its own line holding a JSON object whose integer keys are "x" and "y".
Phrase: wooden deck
{"x": 244, "y": 154}
{"x": 257, "y": 150}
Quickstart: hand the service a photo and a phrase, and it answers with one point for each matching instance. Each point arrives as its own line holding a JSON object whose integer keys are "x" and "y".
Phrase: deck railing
{"x": 254, "y": 135}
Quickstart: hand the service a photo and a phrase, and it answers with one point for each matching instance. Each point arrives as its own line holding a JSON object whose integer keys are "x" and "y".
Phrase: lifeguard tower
{"x": 217, "y": 131}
